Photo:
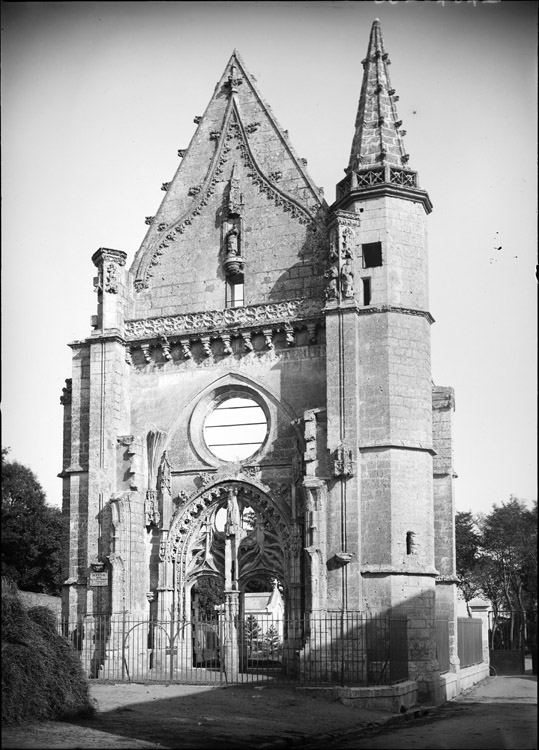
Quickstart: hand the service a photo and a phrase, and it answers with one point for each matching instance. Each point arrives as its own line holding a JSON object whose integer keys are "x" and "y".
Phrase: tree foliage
{"x": 252, "y": 632}
{"x": 497, "y": 558}
{"x": 271, "y": 641}
{"x": 210, "y": 592}
{"x": 467, "y": 540}
{"x": 31, "y": 531}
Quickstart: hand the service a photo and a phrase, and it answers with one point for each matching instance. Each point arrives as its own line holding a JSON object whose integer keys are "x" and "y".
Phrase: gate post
{"x": 480, "y": 609}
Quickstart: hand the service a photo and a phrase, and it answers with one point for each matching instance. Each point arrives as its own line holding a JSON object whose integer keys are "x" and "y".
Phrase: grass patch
{"x": 42, "y": 678}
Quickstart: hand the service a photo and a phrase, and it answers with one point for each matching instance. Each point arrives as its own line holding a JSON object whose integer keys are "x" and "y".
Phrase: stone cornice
{"x": 331, "y": 309}
{"x": 252, "y": 316}
{"x": 447, "y": 579}
{"x": 384, "y": 189}
{"x": 429, "y": 571}
{"x": 395, "y": 446}
{"x": 100, "y": 338}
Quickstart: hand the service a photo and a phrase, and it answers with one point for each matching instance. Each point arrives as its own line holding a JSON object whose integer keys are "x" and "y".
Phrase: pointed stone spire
{"x": 377, "y": 138}
{"x": 378, "y": 156}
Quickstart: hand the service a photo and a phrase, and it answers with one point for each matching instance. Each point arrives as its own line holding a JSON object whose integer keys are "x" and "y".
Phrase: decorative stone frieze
{"x": 232, "y": 317}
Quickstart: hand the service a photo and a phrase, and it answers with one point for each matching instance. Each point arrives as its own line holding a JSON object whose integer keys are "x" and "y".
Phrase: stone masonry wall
{"x": 400, "y": 227}
{"x": 287, "y": 380}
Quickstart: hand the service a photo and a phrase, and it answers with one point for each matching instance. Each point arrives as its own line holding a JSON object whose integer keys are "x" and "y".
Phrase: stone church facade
{"x": 268, "y": 354}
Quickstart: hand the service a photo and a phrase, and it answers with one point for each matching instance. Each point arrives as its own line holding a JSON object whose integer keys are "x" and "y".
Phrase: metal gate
{"x": 509, "y": 636}
{"x": 338, "y": 648}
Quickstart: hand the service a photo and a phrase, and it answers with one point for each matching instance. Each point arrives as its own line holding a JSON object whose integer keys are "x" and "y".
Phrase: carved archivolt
{"x": 200, "y": 548}
{"x": 193, "y": 512}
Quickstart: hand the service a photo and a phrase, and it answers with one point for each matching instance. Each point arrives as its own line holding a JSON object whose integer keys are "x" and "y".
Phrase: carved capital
{"x": 106, "y": 254}
{"x": 151, "y": 508}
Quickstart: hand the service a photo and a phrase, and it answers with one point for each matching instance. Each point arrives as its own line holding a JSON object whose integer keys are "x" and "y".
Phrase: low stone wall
{"x": 451, "y": 683}
{"x": 391, "y": 698}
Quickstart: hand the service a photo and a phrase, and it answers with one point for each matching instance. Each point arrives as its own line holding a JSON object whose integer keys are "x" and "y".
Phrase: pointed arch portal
{"x": 235, "y": 531}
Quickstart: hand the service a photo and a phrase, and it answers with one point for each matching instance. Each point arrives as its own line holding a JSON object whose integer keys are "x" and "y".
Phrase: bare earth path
{"x": 186, "y": 716}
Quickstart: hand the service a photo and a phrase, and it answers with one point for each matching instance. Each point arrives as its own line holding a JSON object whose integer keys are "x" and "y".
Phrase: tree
{"x": 262, "y": 583}
{"x": 272, "y": 642}
{"x": 31, "y": 531}
{"x": 210, "y": 594}
{"x": 497, "y": 559}
{"x": 252, "y": 633}
{"x": 467, "y": 541}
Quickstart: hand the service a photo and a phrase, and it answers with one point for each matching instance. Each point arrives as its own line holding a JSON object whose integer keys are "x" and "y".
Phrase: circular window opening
{"x": 235, "y": 429}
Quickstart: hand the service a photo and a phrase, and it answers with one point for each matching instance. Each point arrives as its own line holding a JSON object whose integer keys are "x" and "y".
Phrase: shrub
{"x": 42, "y": 677}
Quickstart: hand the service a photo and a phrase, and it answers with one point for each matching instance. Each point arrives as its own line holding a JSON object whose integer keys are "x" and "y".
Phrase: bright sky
{"x": 97, "y": 97}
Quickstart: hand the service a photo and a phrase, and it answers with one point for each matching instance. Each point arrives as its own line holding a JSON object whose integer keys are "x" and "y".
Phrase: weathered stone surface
{"x": 329, "y": 334}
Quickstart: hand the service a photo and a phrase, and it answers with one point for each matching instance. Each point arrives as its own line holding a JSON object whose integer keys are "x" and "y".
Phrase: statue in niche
{"x": 164, "y": 474}
{"x": 234, "y": 535}
{"x": 309, "y": 419}
{"x": 332, "y": 288}
{"x": 333, "y": 247}
{"x": 347, "y": 280}
{"x": 232, "y": 242}
{"x": 233, "y": 517}
{"x": 346, "y": 238}
{"x": 165, "y": 487}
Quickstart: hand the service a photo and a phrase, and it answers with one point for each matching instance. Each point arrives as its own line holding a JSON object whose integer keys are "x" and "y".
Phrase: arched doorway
{"x": 230, "y": 542}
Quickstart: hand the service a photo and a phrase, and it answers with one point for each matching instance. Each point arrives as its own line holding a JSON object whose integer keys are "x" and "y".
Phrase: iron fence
{"x": 470, "y": 640}
{"x": 336, "y": 648}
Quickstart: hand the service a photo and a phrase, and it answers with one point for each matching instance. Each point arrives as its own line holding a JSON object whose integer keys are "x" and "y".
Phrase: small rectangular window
{"x": 366, "y": 291}
{"x": 372, "y": 254}
{"x": 234, "y": 291}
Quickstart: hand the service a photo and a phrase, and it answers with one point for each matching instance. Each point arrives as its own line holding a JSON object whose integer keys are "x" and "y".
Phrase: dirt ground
{"x": 186, "y": 716}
